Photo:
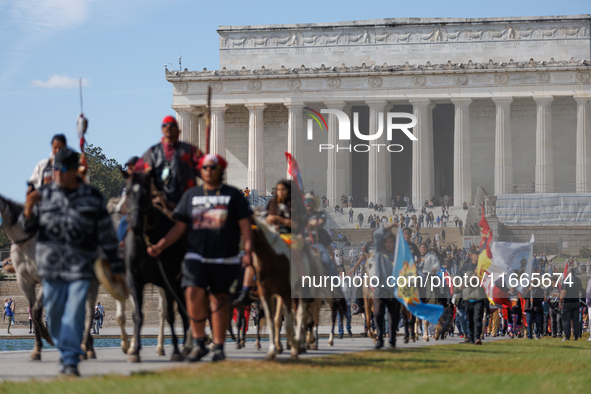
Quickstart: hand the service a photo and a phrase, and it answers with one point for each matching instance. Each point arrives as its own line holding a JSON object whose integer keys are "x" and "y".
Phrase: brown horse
{"x": 273, "y": 281}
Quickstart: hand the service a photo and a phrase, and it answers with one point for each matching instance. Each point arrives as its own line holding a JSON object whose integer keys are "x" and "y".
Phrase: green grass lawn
{"x": 507, "y": 366}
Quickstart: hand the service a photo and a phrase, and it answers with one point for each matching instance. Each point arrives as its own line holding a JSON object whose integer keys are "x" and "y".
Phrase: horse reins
{"x": 180, "y": 304}
{"x": 18, "y": 242}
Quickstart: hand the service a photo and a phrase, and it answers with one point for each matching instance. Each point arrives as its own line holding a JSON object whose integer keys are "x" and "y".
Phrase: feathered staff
{"x": 82, "y": 125}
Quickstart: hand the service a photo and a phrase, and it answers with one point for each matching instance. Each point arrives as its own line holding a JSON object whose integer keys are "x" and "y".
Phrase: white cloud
{"x": 56, "y": 81}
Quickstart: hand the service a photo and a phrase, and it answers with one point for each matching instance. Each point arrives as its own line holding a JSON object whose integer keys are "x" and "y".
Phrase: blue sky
{"x": 120, "y": 47}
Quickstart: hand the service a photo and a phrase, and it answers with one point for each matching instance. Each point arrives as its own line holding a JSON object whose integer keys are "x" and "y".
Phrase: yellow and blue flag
{"x": 407, "y": 281}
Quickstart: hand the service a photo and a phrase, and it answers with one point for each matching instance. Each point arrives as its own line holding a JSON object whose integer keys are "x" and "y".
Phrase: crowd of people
{"x": 71, "y": 221}
{"x": 558, "y": 310}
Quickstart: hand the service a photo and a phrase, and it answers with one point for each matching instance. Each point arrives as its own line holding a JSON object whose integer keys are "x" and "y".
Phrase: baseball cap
{"x": 66, "y": 159}
{"x": 168, "y": 119}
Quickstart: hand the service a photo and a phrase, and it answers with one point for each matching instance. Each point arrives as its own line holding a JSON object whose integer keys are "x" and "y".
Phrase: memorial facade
{"x": 502, "y": 103}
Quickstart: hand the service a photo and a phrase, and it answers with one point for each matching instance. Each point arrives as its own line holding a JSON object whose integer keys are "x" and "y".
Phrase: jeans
{"x": 65, "y": 306}
{"x": 570, "y": 312}
{"x": 348, "y": 317}
{"x": 533, "y": 318}
{"x": 463, "y": 318}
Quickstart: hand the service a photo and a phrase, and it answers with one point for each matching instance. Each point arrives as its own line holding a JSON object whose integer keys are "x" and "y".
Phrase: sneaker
{"x": 379, "y": 343}
{"x": 565, "y": 339}
{"x": 71, "y": 370}
{"x": 218, "y": 355}
{"x": 197, "y": 353}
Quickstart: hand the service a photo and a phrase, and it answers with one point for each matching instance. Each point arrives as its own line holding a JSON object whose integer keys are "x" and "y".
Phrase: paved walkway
{"x": 15, "y": 365}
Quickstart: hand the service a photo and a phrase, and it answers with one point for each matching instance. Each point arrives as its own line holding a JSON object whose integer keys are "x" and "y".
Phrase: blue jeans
{"x": 65, "y": 305}
{"x": 348, "y": 317}
{"x": 463, "y": 317}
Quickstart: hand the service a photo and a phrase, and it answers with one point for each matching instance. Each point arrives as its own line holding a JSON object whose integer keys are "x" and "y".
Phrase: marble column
{"x": 218, "y": 130}
{"x": 256, "y": 149}
{"x": 295, "y": 132}
{"x": 183, "y": 118}
{"x": 583, "y": 172}
{"x": 544, "y": 160}
{"x": 430, "y": 109}
{"x": 334, "y": 172}
{"x": 503, "y": 151}
{"x": 344, "y": 161}
{"x": 462, "y": 165}
{"x": 422, "y": 159}
{"x": 377, "y": 154}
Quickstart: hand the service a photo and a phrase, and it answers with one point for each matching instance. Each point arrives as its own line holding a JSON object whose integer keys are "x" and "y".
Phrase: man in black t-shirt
{"x": 572, "y": 289}
{"x": 213, "y": 216}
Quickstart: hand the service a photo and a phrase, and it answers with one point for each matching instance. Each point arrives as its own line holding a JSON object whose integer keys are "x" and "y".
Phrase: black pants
{"x": 555, "y": 322}
{"x": 409, "y": 323}
{"x": 379, "y": 307}
{"x": 475, "y": 312}
{"x": 570, "y": 312}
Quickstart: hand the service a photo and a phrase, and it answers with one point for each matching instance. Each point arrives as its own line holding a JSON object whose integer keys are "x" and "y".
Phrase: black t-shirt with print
{"x": 212, "y": 220}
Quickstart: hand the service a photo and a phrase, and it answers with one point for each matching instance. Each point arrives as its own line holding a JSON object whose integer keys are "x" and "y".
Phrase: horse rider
{"x": 71, "y": 220}
{"x": 214, "y": 216}
{"x": 171, "y": 163}
{"x": 43, "y": 172}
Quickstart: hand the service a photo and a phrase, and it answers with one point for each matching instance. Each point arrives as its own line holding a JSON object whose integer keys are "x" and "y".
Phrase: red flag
{"x": 486, "y": 235}
{"x": 294, "y": 171}
{"x": 564, "y": 274}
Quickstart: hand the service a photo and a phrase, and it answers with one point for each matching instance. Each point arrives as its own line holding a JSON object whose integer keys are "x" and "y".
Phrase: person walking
{"x": 10, "y": 314}
{"x": 213, "y": 217}
{"x": 101, "y": 309}
{"x": 572, "y": 290}
{"x": 4, "y": 313}
{"x": 71, "y": 221}
{"x": 385, "y": 242}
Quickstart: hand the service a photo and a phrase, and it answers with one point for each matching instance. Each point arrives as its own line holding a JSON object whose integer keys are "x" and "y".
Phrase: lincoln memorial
{"x": 501, "y": 103}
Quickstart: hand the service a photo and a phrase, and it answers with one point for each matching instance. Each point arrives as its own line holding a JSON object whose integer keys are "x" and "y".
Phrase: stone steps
{"x": 10, "y": 288}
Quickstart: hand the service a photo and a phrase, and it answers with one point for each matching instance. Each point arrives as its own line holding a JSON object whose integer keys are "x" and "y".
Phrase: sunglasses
{"x": 168, "y": 124}
{"x": 209, "y": 167}
{"x": 62, "y": 169}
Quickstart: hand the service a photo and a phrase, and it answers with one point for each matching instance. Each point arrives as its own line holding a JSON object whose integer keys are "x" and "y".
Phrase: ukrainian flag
{"x": 408, "y": 293}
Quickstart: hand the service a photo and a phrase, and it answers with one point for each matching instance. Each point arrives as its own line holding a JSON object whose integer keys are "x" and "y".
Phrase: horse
{"x": 148, "y": 223}
{"x": 273, "y": 281}
{"x": 114, "y": 209}
{"x": 22, "y": 254}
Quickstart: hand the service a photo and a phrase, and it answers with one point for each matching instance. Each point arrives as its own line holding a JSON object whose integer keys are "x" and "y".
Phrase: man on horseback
{"x": 213, "y": 216}
{"x": 171, "y": 163}
{"x": 72, "y": 222}
{"x": 43, "y": 172}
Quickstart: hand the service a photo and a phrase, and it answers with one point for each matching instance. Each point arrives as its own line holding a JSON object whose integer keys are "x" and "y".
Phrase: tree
{"x": 104, "y": 173}
{"x": 4, "y": 240}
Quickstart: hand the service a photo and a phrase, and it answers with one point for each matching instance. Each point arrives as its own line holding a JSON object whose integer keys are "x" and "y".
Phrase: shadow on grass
{"x": 407, "y": 359}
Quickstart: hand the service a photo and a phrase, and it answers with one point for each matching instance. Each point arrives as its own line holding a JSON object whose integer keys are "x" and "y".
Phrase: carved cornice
{"x": 392, "y": 34}
{"x": 373, "y": 72}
